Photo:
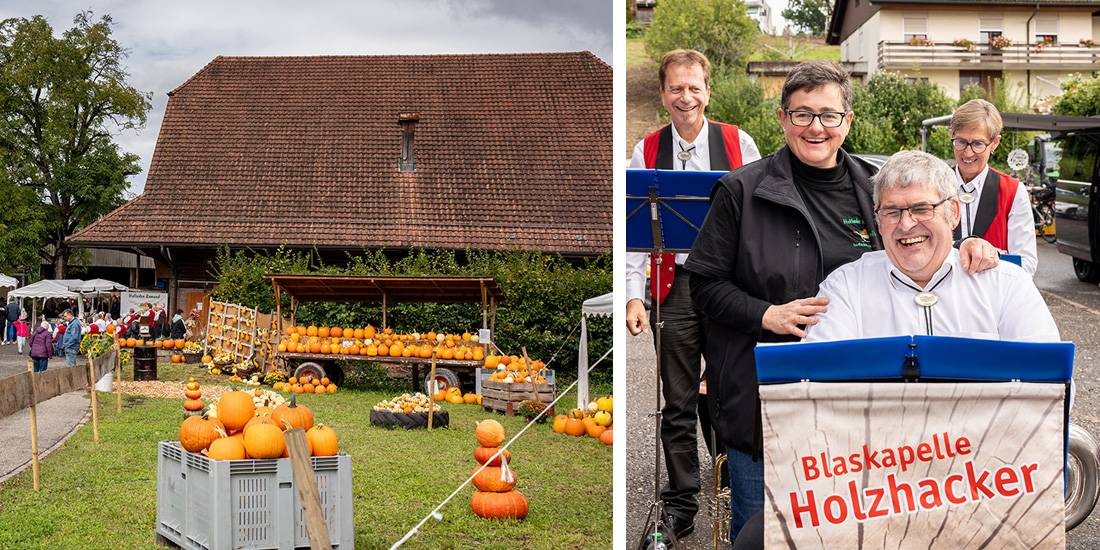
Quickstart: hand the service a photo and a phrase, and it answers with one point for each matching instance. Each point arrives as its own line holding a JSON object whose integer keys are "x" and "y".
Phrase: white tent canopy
{"x": 65, "y": 288}
{"x": 44, "y": 289}
{"x": 98, "y": 286}
{"x": 8, "y": 282}
{"x": 599, "y": 306}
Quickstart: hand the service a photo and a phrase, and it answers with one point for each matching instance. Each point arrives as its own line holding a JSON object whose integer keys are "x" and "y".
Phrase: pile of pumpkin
{"x": 495, "y": 497}
{"x": 406, "y": 403}
{"x": 305, "y": 384}
{"x": 511, "y": 368}
{"x": 455, "y": 396}
{"x": 160, "y": 344}
{"x": 369, "y": 342}
{"x": 241, "y": 430}
{"x": 595, "y": 421}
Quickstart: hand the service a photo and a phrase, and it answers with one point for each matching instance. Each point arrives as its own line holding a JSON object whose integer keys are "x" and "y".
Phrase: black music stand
{"x": 650, "y": 195}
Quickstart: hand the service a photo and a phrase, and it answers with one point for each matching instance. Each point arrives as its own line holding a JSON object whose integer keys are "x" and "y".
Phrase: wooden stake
{"x": 34, "y": 423}
{"x": 306, "y": 481}
{"x": 527, "y": 364}
{"x": 118, "y": 378}
{"x": 432, "y": 389}
{"x": 95, "y": 405}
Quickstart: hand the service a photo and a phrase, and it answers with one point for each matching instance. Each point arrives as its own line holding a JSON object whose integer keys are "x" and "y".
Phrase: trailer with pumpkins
{"x": 387, "y": 291}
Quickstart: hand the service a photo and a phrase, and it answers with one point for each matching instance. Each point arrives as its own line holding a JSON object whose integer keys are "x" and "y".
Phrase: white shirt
{"x": 867, "y": 301}
{"x": 1021, "y": 222}
{"x": 636, "y": 262}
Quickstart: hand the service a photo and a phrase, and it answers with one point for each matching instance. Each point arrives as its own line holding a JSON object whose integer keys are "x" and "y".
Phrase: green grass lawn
{"x": 800, "y": 48}
{"x": 104, "y": 497}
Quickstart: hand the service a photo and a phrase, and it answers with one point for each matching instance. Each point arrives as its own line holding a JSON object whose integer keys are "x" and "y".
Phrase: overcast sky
{"x": 170, "y": 41}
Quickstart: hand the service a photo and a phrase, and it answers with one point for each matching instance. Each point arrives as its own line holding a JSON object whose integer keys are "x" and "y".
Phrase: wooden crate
{"x": 505, "y": 398}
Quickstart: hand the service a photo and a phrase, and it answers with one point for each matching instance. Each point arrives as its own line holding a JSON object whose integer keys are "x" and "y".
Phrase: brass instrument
{"x": 721, "y": 505}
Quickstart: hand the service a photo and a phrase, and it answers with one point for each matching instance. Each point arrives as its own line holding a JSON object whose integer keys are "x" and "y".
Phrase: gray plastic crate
{"x": 205, "y": 504}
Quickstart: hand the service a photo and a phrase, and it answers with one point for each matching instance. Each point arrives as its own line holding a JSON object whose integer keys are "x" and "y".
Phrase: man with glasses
{"x": 774, "y": 230}
{"x": 690, "y": 142}
{"x": 916, "y": 286}
{"x": 995, "y": 206}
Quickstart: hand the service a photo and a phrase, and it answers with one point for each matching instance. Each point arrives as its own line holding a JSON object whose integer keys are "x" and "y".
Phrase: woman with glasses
{"x": 995, "y": 206}
{"x": 775, "y": 229}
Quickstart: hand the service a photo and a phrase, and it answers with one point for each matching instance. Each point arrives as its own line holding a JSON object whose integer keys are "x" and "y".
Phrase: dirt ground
{"x": 643, "y": 103}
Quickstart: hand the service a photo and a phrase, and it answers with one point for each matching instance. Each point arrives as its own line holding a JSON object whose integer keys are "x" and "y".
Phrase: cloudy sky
{"x": 170, "y": 41}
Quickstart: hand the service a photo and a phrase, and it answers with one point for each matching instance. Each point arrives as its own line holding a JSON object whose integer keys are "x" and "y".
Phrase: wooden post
{"x": 432, "y": 390}
{"x": 293, "y": 310}
{"x": 384, "y": 315}
{"x": 34, "y": 423}
{"x": 493, "y": 316}
{"x": 527, "y": 365}
{"x": 306, "y": 481}
{"x": 484, "y": 306}
{"x": 92, "y": 395}
{"x": 278, "y": 305}
{"x": 118, "y": 378}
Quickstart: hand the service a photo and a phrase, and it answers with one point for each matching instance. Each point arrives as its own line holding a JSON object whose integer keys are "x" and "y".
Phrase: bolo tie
{"x": 925, "y": 298}
{"x": 685, "y": 154}
{"x": 967, "y": 197}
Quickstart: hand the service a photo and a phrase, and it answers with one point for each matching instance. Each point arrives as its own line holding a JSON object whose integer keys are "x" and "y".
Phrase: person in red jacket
{"x": 995, "y": 206}
{"x": 694, "y": 143}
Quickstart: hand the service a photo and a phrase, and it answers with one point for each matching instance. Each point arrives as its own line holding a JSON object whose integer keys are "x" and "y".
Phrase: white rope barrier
{"x": 435, "y": 512}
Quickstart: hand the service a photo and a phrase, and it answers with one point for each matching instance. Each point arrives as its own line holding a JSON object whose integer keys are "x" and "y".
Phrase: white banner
{"x": 917, "y": 465}
{"x": 134, "y": 298}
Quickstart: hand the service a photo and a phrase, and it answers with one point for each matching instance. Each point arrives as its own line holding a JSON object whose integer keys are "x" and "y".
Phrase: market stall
{"x": 600, "y": 306}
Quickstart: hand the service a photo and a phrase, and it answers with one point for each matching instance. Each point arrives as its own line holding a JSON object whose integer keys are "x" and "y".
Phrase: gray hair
{"x": 907, "y": 168}
{"x": 811, "y": 75}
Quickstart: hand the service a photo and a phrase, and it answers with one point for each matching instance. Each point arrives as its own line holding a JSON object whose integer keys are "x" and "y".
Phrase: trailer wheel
{"x": 445, "y": 377}
{"x": 317, "y": 371}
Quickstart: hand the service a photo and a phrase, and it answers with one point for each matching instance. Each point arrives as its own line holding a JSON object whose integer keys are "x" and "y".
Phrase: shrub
{"x": 721, "y": 29}
{"x": 735, "y": 99}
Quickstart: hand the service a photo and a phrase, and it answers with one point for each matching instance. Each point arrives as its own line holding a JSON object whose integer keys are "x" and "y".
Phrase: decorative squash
{"x": 499, "y": 505}
{"x": 196, "y": 433}
{"x": 559, "y": 423}
{"x": 455, "y": 398}
{"x": 595, "y": 430}
{"x": 192, "y": 394}
{"x": 193, "y": 405}
{"x": 226, "y": 448}
{"x": 483, "y": 454}
{"x": 322, "y": 440}
{"x": 299, "y": 416}
{"x": 490, "y": 433}
{"x": 607, "y": 438}
{"x": 489, "y": 480}
{"x": 264, "y": 441}
{"x": 470, "y": 398}
{"x": 575, "y": 427}
{"x": 235, "y": 409}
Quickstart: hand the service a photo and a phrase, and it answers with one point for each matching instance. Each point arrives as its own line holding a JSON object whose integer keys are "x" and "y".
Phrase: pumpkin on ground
{"x": 489, "y": 433}
{"x": 197, "y": 433}
{"x": 235, "y": 409}
{"x": 322, "y": 440}
{"x": 607, "y": 438}
{"x": 499, "y": 505}
{"x": 264, "y": 441}
{"x": 575, "y": 427}
{"x": 559, "y": 423}
{"x": 490, "y": 480}
{"x": 299, "y": 416}
{"x": 484, "y": 454}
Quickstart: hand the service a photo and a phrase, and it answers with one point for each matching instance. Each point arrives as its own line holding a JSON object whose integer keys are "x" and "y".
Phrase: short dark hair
{"x": 684, "y": 57}
{"x": 811, "y": 75}
{"x": 68, "y": 312}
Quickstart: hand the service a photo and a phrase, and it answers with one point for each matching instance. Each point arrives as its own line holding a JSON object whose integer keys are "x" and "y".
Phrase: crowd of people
{"x": 809, "y": 242}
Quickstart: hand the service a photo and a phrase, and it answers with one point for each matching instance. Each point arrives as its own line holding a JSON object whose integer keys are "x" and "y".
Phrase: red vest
{"x": 651, "y": 145}
{"x": 997, "y": 234}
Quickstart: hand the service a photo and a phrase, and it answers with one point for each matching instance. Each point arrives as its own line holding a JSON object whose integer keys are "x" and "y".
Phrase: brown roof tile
{"x": 512, "y": 150}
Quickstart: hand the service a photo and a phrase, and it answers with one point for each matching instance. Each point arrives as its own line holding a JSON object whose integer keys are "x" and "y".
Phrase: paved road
{"x": 1076, "y": 309}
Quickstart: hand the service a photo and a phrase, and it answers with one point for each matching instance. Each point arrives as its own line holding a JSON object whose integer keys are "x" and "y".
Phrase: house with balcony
{"x": 1031, "y": 46}
{"x": 761, "y": 12}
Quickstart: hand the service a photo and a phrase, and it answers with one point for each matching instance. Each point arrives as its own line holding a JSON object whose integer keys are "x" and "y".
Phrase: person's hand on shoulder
{"x": 976, "y": 255}
{"x": 786, "y": 318}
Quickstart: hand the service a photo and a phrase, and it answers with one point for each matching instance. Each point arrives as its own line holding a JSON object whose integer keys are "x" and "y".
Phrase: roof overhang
{"x": 368, "y": 288}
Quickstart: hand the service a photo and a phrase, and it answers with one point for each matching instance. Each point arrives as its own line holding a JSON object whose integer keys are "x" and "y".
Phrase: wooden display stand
{"x": 231, "y": 328}
{"x": 505, "y": 397}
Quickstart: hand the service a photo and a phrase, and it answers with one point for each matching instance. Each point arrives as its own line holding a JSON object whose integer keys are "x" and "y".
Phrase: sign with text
{"x": 134, "y": 298}
{"x": 913, "y": 465}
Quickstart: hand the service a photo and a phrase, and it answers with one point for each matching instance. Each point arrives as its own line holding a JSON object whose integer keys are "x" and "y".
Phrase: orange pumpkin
{"x": 499, "y": 505}
{"x": 235, "y": 409}
{"x": 299, "y": 416}
{"x": 489, "y": 433}
{"x": 196, "y": 433}
{"x": 226, "y": 448}
{"x": 322, "y": 332}
{"x": 485, "y": 454}
{"x": 559, "y": 423}
{"x": 575, "y": 427}
{"x": 264, "y": 441}
{"x": 322, "y": 440}
{"x": 489, "y": 480}
{"x": 336, "y": 332}
{"x": 193, "y": 405}
{"x": 607, "y": 438}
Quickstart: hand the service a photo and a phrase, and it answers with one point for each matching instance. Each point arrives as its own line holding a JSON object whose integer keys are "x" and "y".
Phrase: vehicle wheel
{"x": 310, "y": 369}
{"x": 1082, "y": 473}
{"x": 1088, "y": 272}
{"x": 445, "y": 377}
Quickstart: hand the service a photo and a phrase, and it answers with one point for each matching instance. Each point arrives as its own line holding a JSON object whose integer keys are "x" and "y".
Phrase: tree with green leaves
{"x": 720, "y": 29}
{"x": 60, "y": 96}
{"x": 1080, "y": 97}
{"x": 809, "y": 16}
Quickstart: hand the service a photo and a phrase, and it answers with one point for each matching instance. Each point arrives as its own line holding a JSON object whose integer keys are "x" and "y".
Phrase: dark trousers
{"x": 681, "y": 349}
{"x": 40, "y": 363}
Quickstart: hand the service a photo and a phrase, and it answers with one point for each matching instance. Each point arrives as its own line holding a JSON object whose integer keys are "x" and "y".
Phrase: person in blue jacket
{"x": 70, "y": 343}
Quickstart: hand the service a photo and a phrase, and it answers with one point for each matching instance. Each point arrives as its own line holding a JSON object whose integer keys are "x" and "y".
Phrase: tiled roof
{"x": 512, "y": 150}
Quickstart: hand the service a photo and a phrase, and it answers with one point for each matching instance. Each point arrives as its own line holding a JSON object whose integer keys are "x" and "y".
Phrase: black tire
{"x": 314, "y": 370}
{"x": 1087, "y": 272}
{"x": 409, "y": 421}
{"x": 447, "y": 379}
{"x": 1083, "y": 477}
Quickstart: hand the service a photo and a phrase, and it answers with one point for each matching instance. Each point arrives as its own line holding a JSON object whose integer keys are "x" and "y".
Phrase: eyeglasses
{"x": 961, "y": 144}
{"x": 829, "y": 119}
{"x": 919, "y": 212}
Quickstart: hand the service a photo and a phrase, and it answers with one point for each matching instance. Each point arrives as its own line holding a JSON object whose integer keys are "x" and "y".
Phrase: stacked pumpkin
{"x": 496, "y": 496}
{"x": 370, "y": 342}
{"x": 241, "y": 430}
{"x": 594, "y": 421}
{"x": 192, "y": 392}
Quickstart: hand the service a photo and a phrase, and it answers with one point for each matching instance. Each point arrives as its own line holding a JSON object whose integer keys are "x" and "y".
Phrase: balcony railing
{"x": 902, "y": 55}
